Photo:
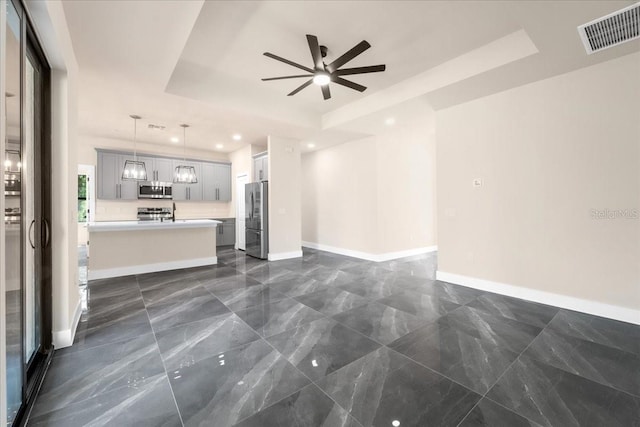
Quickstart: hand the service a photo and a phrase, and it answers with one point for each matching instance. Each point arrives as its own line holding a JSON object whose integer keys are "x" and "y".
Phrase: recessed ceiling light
{"x": 175, "y": 140}
{"x": 311, "y": 145}
{"x": 390, "y": 121}
{"x": 237, "y": 137}
{"x": 219, "y": 146}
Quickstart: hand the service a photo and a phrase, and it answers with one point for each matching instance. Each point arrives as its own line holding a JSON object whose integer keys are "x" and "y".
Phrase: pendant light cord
{"x": 135, "y": 137}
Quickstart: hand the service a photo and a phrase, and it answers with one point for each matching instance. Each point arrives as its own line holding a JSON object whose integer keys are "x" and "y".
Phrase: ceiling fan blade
{"x": 326, "y": 93}
{"x": 349, "y": 84}
{"x": 359, "y": 70}
{"x": 285, "y": 77}
{"x": 299, "y": 88}
{"x": 286, "y": 61}
{"x": 314, "y": 47}
{"x": 348, "y": 56}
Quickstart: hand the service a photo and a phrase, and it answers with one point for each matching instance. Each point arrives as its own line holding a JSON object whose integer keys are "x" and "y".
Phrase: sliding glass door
{"x": 13, "y": 219}
{"x": 27, "y": 209}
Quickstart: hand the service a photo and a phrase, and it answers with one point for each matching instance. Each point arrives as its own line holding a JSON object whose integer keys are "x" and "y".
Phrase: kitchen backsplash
{"x": 107, "y": 210}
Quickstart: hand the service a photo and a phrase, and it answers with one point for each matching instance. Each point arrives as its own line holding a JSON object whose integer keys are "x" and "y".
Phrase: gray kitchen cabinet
{"x": 110, "y": 183}
{"x": 216, "y": 182}
{"x": 208, "y": 186}
{"x": 189, "y": 192}
{"x": 260, "y": 168}
{"x": 214, "y": 179}
{"x": 223, "y": 179}
{"x": 158, "y": 169}
{"x": 226, "y": 232}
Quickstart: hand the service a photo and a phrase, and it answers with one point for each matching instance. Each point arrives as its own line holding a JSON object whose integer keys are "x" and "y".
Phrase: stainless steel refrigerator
{"x": 256, "y": 196}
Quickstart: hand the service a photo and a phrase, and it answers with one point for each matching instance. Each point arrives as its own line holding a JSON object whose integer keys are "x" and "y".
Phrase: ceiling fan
{"x": 322, "y": 74}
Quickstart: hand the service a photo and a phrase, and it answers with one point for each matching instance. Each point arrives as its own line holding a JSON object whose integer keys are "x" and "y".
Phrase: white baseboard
{"x": 368, "y": 256}
{"x": 150, "y": 268}
{"x": 284, "y": 255}
{"x": 563, "y": 301}
{"x": 64, "y": 338}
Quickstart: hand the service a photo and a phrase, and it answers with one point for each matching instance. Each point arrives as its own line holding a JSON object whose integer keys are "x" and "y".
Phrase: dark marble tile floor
{"x": 332, "y": 341}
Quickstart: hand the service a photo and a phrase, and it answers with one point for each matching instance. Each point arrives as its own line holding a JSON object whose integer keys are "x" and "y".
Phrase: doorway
{"x": 241, "y": 180}
{"x": 86, "y": 209}
{"x": 27, "y": 199}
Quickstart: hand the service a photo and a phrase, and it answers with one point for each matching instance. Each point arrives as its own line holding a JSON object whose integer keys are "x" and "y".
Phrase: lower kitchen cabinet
{"x": 226, "y": 232}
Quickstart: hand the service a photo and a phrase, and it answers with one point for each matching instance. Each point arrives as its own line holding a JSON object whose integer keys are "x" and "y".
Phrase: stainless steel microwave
{"x": 154, "y": 190}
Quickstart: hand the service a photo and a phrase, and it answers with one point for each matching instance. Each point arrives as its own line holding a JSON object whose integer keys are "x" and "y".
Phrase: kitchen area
{"x": 155, "y": 211}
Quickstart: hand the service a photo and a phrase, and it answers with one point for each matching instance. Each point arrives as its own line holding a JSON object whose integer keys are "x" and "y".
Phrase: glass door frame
{"x": 34, "y": 369}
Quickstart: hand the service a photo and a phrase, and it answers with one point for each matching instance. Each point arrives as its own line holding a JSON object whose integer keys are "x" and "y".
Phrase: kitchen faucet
{"x": 173, "y": 213}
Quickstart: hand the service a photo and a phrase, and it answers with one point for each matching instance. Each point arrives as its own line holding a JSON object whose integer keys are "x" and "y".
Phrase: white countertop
{"x": 101, "y": 226}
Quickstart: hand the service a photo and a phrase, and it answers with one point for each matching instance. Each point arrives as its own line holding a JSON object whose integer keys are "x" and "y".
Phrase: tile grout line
{"x": 507, "y": 370}
{"x": 162, "y": 359}
{"x": 311, "y": 382}
{"x": 578, "y": 375}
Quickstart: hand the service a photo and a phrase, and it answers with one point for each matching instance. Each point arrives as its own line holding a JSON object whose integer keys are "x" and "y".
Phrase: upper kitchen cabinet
{"x": 188, "y": 192}
{"x": 260, "y": 167}
{"x": 216, "y": 181}
{"x": 158, "y": 169}
{"x": 110, "y": 185}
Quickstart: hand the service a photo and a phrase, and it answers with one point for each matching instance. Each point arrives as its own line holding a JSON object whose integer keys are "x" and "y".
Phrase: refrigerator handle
{"x": 252, "y": 205}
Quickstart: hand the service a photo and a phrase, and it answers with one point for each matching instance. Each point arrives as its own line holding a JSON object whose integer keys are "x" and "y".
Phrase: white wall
{"x": 406, "y": 186}
{"x": 340, "y": 197}
{"x": 51, "y": 27}
{"x": 549, "y": 153}
{"x": 284, "y": 198}
{"x": 374, "y": 196}
{"x": 241, "y": 163}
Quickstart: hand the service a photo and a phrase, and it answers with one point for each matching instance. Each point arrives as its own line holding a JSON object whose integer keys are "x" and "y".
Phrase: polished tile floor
{"x": 333, "y": 341}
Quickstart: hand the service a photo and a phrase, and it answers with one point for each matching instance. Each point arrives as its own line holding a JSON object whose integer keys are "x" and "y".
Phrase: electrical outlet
{"x": 477, "y": 182}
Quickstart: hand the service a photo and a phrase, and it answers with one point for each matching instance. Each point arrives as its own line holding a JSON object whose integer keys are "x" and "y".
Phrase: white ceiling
{"x": 201, "y": 62}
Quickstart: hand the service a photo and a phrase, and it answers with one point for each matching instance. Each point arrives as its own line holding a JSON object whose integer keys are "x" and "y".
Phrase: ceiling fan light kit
{"x": 321, "y": 79}
{"x": 323, "y": 74}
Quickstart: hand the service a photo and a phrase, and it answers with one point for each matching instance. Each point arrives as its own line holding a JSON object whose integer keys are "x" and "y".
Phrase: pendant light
{"x": 133, "y": 169}
{"x": 185, "y": 174}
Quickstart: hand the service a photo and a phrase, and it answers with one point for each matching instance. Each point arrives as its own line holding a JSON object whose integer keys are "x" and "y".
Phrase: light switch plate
{"x": 477, "y": 182}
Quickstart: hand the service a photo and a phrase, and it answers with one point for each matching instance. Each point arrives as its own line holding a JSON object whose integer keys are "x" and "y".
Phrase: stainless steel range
{"x": 154, "y": 214}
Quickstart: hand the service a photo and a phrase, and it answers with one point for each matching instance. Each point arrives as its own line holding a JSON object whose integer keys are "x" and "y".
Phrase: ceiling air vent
{"x": 611, "y": 30}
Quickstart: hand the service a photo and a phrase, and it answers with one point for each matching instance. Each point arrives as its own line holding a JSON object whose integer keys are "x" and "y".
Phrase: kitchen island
{"x": 121, "y": 248}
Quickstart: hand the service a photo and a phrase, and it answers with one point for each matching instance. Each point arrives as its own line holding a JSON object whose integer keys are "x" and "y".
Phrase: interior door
{"x": 240, "y": 212}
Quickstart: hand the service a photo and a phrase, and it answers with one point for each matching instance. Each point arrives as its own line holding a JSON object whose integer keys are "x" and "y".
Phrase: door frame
{"x": 90, "y": 172}
{"x": 34, "y": 370}
{"x": 240, "y": 200}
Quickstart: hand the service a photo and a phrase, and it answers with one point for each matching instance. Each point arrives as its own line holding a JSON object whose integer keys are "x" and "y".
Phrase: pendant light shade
{"x": 133, "y": 169}
{"x": 185, "y": 174}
